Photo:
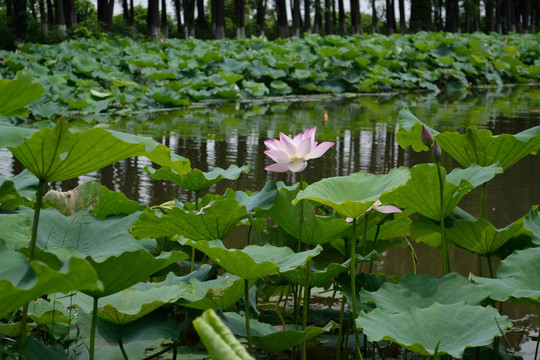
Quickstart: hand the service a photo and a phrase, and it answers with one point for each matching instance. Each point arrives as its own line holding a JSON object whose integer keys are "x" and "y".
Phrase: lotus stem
{"x": 444, "y": 245}
{"x": 482, "y": 213}
{"x": 364, "y": 240}
{"x": 120, "y": 344}
{"x": 31, "y": 253}
{"x": 490, "y": 267}
{"x": 307, "y": 294}
{"x": 246, "y": 314}
{"x": 93, "y": 328}
{"x": 340, "y": 331}
{"x": 374, "y": 242}
{"x": 353, "y": 290}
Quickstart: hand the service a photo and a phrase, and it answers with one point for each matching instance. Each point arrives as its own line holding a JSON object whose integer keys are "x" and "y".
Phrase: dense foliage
{"x": 122, "y": 75}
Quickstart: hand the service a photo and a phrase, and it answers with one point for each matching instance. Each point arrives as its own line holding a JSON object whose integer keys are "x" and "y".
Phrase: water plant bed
{"x": 121, "y": 75}
{"x": 90, "y": 274}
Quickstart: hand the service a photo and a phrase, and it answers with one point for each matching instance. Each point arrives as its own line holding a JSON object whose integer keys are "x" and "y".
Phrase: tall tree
{"x": 317, "y": 21}
{"x": 328, "y": 17}
{"x": 420, "y": 15}
{"x": 240, "y": 18}
{"x": 164, "y": 20}
{"x": 390, "y": 17}
{"x": 307, "y": 16}
{"x": 402, "y": 20}
{"x": 489, "y": 15}
{"x": 50, "y": 13}
{"x": 60, "y": 19}
{"x": 452, "y": 16}
{"x": 104, "y": 11}
{"x": 356, "y": 20}
{"x": 341, "y": 16}
{"x": 43, "y": 19}
{"x": 18, "y": 17}
{"x": 71, "y": 16}
{"x": 189, "y": 18}
{"x": 152, "y": 18}
{"x": 131, "y": 20}
{"x": 374, "y": 24}
{"x": 177, "y": 10}
{"x": 201, "y": 20}
{"x": 219, "y": 19}
{"x": 261, "y": 15}
{"x": 281, "y": 8}
{"x": 125, "y": 11}
{"x": 295, "y": 18}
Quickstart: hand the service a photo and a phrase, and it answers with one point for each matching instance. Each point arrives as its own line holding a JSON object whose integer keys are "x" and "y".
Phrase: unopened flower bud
{"x": 437, "y": 152}
{"x": 427, "y": 137}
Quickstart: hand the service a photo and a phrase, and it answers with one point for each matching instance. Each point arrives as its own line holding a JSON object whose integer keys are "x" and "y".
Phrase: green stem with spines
{"x": 31, "y": 253}
{"x": 353, "y": 290}
{"x": 93, "y": 328}
{"x": 246, "y": 314}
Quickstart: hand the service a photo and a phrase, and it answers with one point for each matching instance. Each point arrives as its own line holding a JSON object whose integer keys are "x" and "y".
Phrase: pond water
{"x": 363, "y": 128}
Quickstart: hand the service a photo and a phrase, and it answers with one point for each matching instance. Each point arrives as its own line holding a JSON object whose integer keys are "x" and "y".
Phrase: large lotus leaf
{"x": 352, "y": 195}
{"x": 16, "y": 230}
{"x": 268, "y": 338}
{"x": 19, "y": 190}
{"x": 448, "y": 328}
{"x": 214, "y": 221}
{"x": 422, "y": 192}
{"x": 134, "y": 302}
{"x": 22, "y": 282}
{"x": 263, "y": 199}
{"x": 482, "y": 148}
{"x": 421, "y": 291}
{"x": 43, "y": 312}
{"x": 221, "y": 293}
{"x": 253, "y": 262}
{"x": 317, "y": 278}
{"x": 37, "y": 350}
{"x": 60, "y": 154}
{"x": 92, "y": 196}
{"x": 137, "y": 336}
{"x": 518, "y": 276}
{"x": 482, "y": 237}
{"x": 17, "y": 93}
{"x": 316, "y": 229}
{"x": 531, "y": 222}
{"x": 196, "y": 180}
{"x": 218, "y": 339}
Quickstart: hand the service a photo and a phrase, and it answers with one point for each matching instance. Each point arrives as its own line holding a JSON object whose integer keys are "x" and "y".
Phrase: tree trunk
{"x": 261, "y": 15}
{"x": 152, "y": 19}
{"x": 489, "y": 15}
{"x": 420, "y": 15}
{"x": 60, "y": 20}
{"x": 281, "y": 8}
{"x": 390, "y": 17}
{"x": 125, "y": 11}
{"x": 327, "y": 17}
{"x": 43, "y": 20}
{"x": 317, "y": 22}
{"x": 295, "y": 18}
{"x": 50, "y": 13}
{"x": 71, "y": 16}
{"x": 307, "y": 16}
{"x": 402, "y": 22}
{"x": 526, "y": 15}
{"x": 240, "y": 18}
{"x": 342, "y": 23}
{"x": 164, "y": 20}
{"x": 201, "y": 20}
{"x": 131, "y": 20}
{"x": 510, "y": 16}
{"x": 374, "y": 25}
{"x": 177, "y": 7}
{"x": 19, "y": 19}
{"x": 220, "y": 19}
{"x": 356, "y": 26}
{"x": 498, "y": 17}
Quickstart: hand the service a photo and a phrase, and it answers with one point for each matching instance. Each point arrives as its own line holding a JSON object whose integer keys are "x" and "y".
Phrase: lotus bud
{"x": 437, "y": 152}
{"x": 427, "y": 137}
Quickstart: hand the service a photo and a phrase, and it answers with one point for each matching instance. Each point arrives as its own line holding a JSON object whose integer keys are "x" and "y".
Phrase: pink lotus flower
{"x": 378, "y": 206}
{"x": 293, "y": 154}
{"x": 161, "y": 40}
{"x": 3, "y": 61}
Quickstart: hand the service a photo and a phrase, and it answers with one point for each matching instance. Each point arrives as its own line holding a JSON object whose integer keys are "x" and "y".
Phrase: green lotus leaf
{"x": 91, "y": 196}
{"x": 352, "y": 195}
{"x": 317, "y": 278}
{"x": 214, "y": 221}
{"x": 137, "y": 337}
{"x": 316, "y": 229}
{"x": 518, "y": 277}
{"x": 10, "y": 199}
{"x": 36, "y": 350}
{"x": 196, "y": 180}
{"x": 221, "y": 293}
{"x": 262, "y": 200}
{"x": 531, "y": 222}
{"x": 134, "y": 302}
{"x": 17, "y": 93}
{"x": 16, "y": 229}
{"x": 482, "y": 148}
{"x": 218, "y": 339}
{"x": 421, "y": 291}
{"x": 422, "y": 192}
{"x": 268, "y": 338}
{"x": 434, "y": 331}
{"x": 482, "y": 237}
{"x": 43, "y": 312}
{"x": 22, "y": 282}
{"x": 59, "y": 154}
{"x": 253, "y": 262}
